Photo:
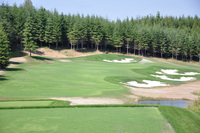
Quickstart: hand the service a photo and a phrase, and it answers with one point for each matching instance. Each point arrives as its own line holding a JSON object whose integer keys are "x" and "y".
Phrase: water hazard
{"x": 181, "y": 103}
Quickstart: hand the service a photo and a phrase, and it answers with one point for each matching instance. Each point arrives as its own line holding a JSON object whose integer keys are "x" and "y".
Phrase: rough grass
{"x": 32, "y": 103}
{"x": 182, "y": 120}
{"x": 79, "y": 120}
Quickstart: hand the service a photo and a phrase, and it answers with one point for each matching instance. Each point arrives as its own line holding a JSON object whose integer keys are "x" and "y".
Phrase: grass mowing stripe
{"x": 182, "y": 120}
{"x": 78, "y": 120}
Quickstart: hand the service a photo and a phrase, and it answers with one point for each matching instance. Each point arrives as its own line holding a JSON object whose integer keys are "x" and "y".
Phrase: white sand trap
{"x": 86, "y": 101}
{"x": 180, "y": 79}
{"x": 126, "y": 60}
{"x": 65, "y": 60}
{"x": 148, "y": 84}
{"x": 145, "y": 61}
{"x": 175, "y": 72}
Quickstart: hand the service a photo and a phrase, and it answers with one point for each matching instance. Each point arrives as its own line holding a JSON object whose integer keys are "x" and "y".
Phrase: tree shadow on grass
{"x": 3, "y": 78}
{"x": 14, "y": 69}
{"x": 16, "y": 63}
{"x": 42, "y": 58}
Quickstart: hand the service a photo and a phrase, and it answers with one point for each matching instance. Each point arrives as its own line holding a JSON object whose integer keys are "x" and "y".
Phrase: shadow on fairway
{"x": 42, "y": 58}
{"x": 14, "y": 69}
{"x": 2, "y": 78}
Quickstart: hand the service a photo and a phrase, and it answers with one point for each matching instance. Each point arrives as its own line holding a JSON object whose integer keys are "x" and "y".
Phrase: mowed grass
{"x": 87, "y": 76}
{"x": 83, "y": 120}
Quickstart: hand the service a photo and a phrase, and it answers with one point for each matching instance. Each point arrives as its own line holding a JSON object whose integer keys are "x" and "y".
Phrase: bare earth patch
{"x": 18, "y": 59}
{"x": 86, "y": 101}
{"x": 184, "y": 91}
{"x": 46, "y": 52}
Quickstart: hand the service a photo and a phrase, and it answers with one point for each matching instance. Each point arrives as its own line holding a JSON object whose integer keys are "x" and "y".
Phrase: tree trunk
{"x": 40, "y": 44}
{"x": 127, "y": 47}
{"x": 77, "y": 46}
{"x": 116, "y": 49}
{"x": 97, "y": 45}
{"x": 190, "y": 56}
{"x": 176, "y": 55}
{"x": 199, "y": 58}
{"x": 105, "y": 46}
{"x": 182, "y": 57}
{"x": 49, "y": 45}
{"x": 138, "y": 51}
{"x": 56, "y": 44}
{"x": 30, "y": 52}
{"x": 145, "y": 52}
{"x": 161, "y": 54}
{"x": 21, "y": 45}
{"x": 71, "y": 46}
{"x": 82, "y": 44}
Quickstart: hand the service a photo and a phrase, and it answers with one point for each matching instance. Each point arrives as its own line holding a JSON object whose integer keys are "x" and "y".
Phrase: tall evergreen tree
{"x": 97, "y": 34}
{"x": 30, "y": 35}
{"x": 42, "y": 20}
{"x": 56, "y": 28}
{"x": 49, "y": 37}
{"x": 4, "y": 48}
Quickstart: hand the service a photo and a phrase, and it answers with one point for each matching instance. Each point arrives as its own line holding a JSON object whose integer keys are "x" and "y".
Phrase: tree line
{"x": 167, "y": 37}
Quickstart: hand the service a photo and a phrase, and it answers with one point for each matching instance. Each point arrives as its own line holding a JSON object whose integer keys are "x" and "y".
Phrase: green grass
{"x": 83, "y": 77}
{"x": 83, "y": 120}
{"x": 182, "y": 120}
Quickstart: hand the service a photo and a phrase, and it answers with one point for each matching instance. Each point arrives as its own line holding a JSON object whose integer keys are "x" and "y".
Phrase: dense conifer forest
{"x": 26, "y": 27}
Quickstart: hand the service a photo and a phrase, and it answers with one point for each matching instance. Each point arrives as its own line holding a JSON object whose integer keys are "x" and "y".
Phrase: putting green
{"x": 83, "y": 120}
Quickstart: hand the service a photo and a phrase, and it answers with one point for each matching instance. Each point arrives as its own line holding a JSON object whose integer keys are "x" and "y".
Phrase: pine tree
{"x": 49, "y": 37}
{"x": 4, "y": 48}
{"x": 41, "y": 24}
{"x": 30, "y": 35}
{"x": 56, "y": 28}
{"x": 97, "y": 34}
{"x": 74, "y": 35}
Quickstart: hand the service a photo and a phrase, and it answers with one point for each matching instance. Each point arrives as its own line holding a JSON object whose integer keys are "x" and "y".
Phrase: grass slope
{"x": 182, "y": 120}
{"x": 79, "y": 120}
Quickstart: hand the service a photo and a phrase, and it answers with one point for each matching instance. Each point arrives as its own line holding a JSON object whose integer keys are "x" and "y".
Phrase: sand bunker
{"x": 175, "y": 72}
{"x": 65, "y": 60}
{"x": 145, "y": 61}
{"x": 148, "y": 84}
{"x": 126, "y": 60}
{"x": 86, "y": 101}
{"x": 172, "y": 79}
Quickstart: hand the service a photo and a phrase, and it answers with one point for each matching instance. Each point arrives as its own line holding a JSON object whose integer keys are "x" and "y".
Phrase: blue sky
{"x": 113, "y": 9}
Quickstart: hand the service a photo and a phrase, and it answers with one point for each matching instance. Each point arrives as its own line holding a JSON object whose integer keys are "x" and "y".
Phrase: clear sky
{"x": 113, "y": 9}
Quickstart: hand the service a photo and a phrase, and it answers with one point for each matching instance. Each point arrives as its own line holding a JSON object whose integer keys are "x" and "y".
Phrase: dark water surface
{"x": 181, "y": 103}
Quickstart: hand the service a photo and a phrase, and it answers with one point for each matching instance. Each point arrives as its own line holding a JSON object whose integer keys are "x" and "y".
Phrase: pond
{"x": 180, "y": 103}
